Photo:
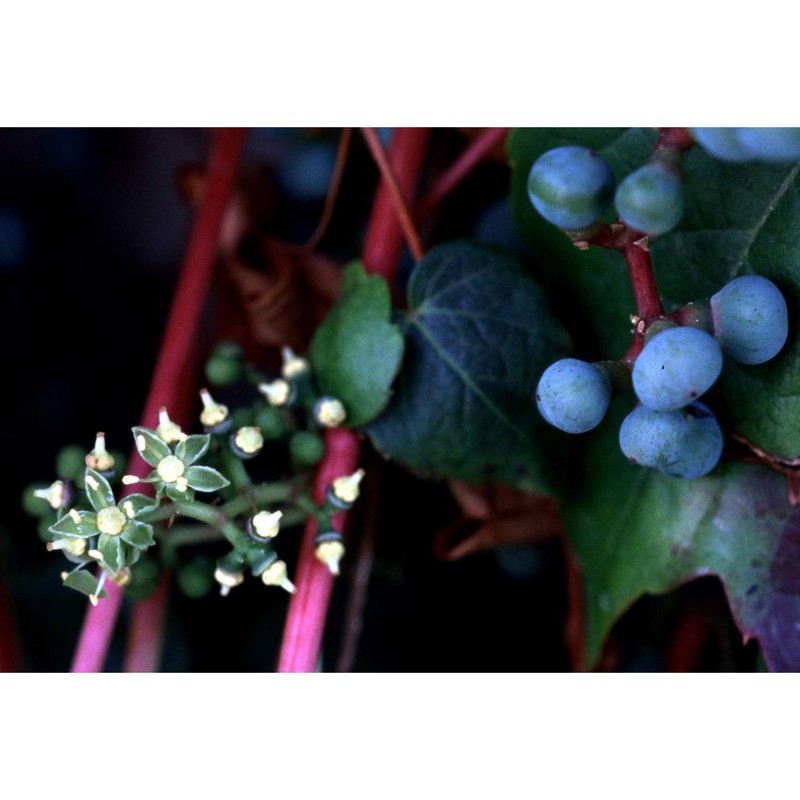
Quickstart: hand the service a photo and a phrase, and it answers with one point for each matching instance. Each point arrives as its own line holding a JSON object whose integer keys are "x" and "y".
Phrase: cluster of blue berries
{"x": 573, "y": 186}
{"x": 669, "y": 430}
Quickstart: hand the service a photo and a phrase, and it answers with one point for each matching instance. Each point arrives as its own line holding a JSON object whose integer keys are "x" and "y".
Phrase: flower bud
{"x": 344, "y": 491}
{"x": 247, "y": 441}
{"x": 99, "y": 458}
{"x": 264, "y": 525}
{"x": 329, "y": 412}
{"x": 329, "y": 549}
{"x": 276, "y": 575}
{"x": 214, "y": 415}
{"x": 278, "y": 393}
{"x": 167, "y": 430}
{"x": 293, "y": 365}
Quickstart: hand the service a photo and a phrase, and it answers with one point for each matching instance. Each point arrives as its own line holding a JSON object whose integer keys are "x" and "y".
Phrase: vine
{"x": 651, "y": 325}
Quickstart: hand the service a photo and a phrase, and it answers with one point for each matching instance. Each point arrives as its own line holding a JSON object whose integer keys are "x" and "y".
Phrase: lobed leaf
{"x": 636, "y": 531}
{"x": 356, "y": 352}
{"x": 478, "y": 335}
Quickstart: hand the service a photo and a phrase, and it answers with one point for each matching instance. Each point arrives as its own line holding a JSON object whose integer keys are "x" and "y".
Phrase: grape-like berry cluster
{"x": 746, "y": 321}
{"x": 573, "y": 186}
{"x": 669, "y": 430}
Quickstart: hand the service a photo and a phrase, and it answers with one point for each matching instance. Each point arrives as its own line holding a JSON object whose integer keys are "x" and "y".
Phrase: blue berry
{"x": 750, "y": 319}
{"x": 686, "y": 443}
{"x": 650, "y": 199}
{"x": 573, "y": 395}
{"x": 676, "y": 367}
{"x": 571, "y": 186}
{"x": 771, "y": 144}
{"x": 722, "y": 143}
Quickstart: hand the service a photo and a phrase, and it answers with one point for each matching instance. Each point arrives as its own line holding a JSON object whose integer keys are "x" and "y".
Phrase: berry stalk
{"x": 645, "y": 291}
{"x": 308, "y": 608}
{"x": 171, "y": 376}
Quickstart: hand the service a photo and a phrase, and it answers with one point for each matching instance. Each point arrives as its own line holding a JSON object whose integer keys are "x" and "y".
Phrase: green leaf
{"x": 114, "y": 550}
{"x": 738, "y": 219}
{"x": 98, "y": 490}
{"x": 150, "y": 446}
{"x": 84, "y": 583}
{"x": 636, "y": 531}
{"x": 742, "y": 219}
{"x": 192, "y": 448}
{"x": 478, "y": 336}
{"x": 205, "y": 479}
{"x": 138, "y": 534}
{"x": 67, "y": 526}
{"x": 356, "y": 351}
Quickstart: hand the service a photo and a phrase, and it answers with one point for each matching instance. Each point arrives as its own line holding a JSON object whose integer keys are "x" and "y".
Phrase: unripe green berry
{"x": 144, "y": 578}
{"x": 271, "y": 422}
{"x": 196, "y": 579}
{"x": 306, "y": 448}
{"x": 71, "y": 462}
{"x": 223, "y": 371}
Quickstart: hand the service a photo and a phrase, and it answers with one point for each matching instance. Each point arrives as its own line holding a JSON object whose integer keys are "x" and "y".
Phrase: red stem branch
{"x": 308, "y": 608}
{"x": 171, "y": 377}
{"x": 10, "y": 655}
{"x": 645, "y": 291}
{"x": 477, "y": 150}
{"x": 398, "y": 196}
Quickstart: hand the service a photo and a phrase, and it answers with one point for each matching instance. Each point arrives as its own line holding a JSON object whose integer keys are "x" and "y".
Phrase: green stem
{"x": 158, "y": 514}
{"x": 234, "y": 470}
{"x": 214, "y": 517}
{"x": 189, "y": 535}
{"x": 260, "y": 495}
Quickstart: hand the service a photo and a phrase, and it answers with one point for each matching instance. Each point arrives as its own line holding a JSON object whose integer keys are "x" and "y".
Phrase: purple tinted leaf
{"x": 637, "y": 531}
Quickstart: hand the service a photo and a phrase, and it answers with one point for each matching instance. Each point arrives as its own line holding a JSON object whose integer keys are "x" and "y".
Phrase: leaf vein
{"x": 753, "y": 234}
{"x": 470, "y": 384}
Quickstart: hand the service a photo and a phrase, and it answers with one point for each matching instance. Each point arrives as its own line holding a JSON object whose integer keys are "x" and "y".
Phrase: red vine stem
{"x": 472, "y": 155}
{"x": 10, "y": 660}
{"x": 171, "y": 376}
{"x": 308, "y": 608}
{"x": 390, "y": 181}
{"x": 645, "y": 291}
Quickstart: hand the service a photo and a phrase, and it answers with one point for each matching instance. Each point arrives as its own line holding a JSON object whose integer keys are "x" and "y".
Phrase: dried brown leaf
{"x": 496, "y": 515}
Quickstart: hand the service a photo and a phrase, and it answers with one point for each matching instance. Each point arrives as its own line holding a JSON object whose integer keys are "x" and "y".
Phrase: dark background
{"x": 92, "y": 232}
